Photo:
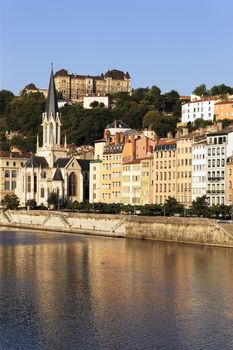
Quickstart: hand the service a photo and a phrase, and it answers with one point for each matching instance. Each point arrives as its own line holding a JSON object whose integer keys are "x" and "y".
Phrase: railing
{"x": 215, "y": 191}
{"x": 215, "y": 178}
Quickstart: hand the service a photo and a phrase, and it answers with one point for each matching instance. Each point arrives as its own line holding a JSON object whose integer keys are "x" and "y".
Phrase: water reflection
{"x": 79, "y": 292}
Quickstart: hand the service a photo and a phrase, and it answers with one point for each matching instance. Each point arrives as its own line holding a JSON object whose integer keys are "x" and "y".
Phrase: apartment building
{"x": 147, "y": 180}
{"x": 164, "y": 170}
{"x": 229, "y": 181}
{"x": 199, "y": 167}
{"x": 198, "y": 108}
{"x": 10, "y": 163}
{"x": 75, "y": 86}
{"x": 219, "y": 148}
{"x": 184, "y": 169}
{"x": 223, "y": 110}
{"x": 111, "y": 173}
{"x": 131, "y": 182}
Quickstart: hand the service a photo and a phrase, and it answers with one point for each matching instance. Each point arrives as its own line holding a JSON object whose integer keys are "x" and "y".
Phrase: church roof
{"x": 58, "y": 175}
{"x": 51, "y": 103}
{"x": 61, "y": 162}
{"x": 36, "y": 162}
{"x": 84, "y": 164}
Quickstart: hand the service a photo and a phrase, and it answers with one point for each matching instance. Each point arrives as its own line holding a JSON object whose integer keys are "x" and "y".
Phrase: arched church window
{"x": 29, "y": 183}
{"x": 45, "y": 133}
{"x": 56, "y": 132}
{"x": 50, "y": 132}
{"x": 72, "y": 184}
{"x": 43, "y": 174}
{"x": 42, "y": 192}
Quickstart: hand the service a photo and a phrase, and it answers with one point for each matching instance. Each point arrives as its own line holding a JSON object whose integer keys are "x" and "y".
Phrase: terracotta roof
{"x": 138, "y": 161}
{"x": 166, "y": 142}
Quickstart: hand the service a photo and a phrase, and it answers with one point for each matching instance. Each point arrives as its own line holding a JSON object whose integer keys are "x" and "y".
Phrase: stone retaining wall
{"x": 172, "y": 229}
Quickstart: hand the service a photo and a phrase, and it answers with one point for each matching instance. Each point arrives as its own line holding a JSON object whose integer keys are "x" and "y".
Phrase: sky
{"x": 172, "y": 44}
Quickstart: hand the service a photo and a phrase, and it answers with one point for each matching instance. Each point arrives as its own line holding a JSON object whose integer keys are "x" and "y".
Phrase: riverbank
{"x": 171, "y": 229}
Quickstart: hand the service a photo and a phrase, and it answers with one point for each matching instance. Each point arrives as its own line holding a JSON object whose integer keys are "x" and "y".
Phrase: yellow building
{"x": 229, "y": 181}
{"x": 164, "y": 170}
{"x": 184, "y": 169}
{"x": 75, "y": 86}
{"x": 10, "y": 163}
{"x": 111, "y": 173}
{"x": 147, "y": 180}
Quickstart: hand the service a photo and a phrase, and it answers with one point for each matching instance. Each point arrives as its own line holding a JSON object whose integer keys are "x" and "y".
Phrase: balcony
{"x": 215, "y": 191}
{"x": 216, "y": 178}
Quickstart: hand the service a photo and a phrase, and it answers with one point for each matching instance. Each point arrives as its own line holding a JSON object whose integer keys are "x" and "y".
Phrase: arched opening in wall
{"x": 43, "y": 174}
{"x": 72, "y": 184}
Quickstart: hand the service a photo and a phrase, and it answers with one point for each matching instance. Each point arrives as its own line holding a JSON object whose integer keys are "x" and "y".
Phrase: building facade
{"x": 200, "y": 108}
{"x": 223, "y": 110}
{"x": 199, "y": 168}
{"x": 10, "y": 164}
{"x": 219, "y": 148}
{"x": 74, "y": 86}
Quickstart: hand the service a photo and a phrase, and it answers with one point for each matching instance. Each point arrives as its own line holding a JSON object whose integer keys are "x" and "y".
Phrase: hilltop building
{"x": 75, "y": 86}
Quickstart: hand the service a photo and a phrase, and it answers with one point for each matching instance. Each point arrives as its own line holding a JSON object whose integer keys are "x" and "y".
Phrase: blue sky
{"x": 172, "y": 44}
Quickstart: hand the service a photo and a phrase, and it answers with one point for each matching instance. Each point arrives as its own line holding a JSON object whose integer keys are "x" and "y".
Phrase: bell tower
{"x": 51, "y": 123}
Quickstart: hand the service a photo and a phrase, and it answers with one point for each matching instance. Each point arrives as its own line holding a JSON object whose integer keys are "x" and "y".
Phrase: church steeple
{"x": 51, "y": 103}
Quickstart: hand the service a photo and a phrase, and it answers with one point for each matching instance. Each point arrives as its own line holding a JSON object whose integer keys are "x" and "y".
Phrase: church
{"x": 51, "y": 169}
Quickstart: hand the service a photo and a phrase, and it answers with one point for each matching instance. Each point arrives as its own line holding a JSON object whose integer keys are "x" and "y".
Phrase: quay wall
{"x": 172, "y": 229}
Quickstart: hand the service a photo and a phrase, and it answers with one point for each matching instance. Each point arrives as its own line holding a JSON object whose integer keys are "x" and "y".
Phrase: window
{"x": 42, "y": 192}
{"x": 13, "y": 173}
{"x": 7, "y": 173}
{"x": 7, "y": 185}
{"x": 13, "y": 185}
{"x": 72, "y": 184}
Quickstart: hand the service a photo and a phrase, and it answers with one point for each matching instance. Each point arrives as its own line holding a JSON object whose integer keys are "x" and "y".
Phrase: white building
{"x": 199, "y": 169}
{"x": 201, "y": 108}
{"x": 219, "y": 148}
{"x": 102, "y": 100}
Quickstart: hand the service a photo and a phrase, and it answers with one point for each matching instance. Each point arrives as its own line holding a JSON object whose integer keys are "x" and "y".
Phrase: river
{"x": 61, "y": 291}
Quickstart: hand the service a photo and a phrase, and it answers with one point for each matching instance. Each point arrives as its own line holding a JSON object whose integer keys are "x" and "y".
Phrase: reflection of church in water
{"x": 51, "y": 170}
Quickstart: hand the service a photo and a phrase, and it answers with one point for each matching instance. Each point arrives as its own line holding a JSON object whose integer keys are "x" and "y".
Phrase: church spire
{"x": 51, "y": 103}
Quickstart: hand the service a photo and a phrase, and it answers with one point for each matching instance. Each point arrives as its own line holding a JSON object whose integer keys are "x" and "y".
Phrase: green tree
{"x": 221, "y": 89}
{"x": 53, "y": 200}
{"x": 149, "y": 118}
{"x": 201, "y": 90}
{"x": 10, "y": 201}
{"x": 171, "y": 206}
{"x": 94, "y": 104}
{"x": 200, "y": 207}
{"x": 5, "y": 98}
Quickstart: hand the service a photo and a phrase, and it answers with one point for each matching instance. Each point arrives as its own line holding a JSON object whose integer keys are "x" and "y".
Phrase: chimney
{"x": 169, "y": 135}
{"x": 133, "y": 147}
{"x": 107, "y": 136}
{"x": 117, "y": 138}
{"x": 185, "y": 131}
